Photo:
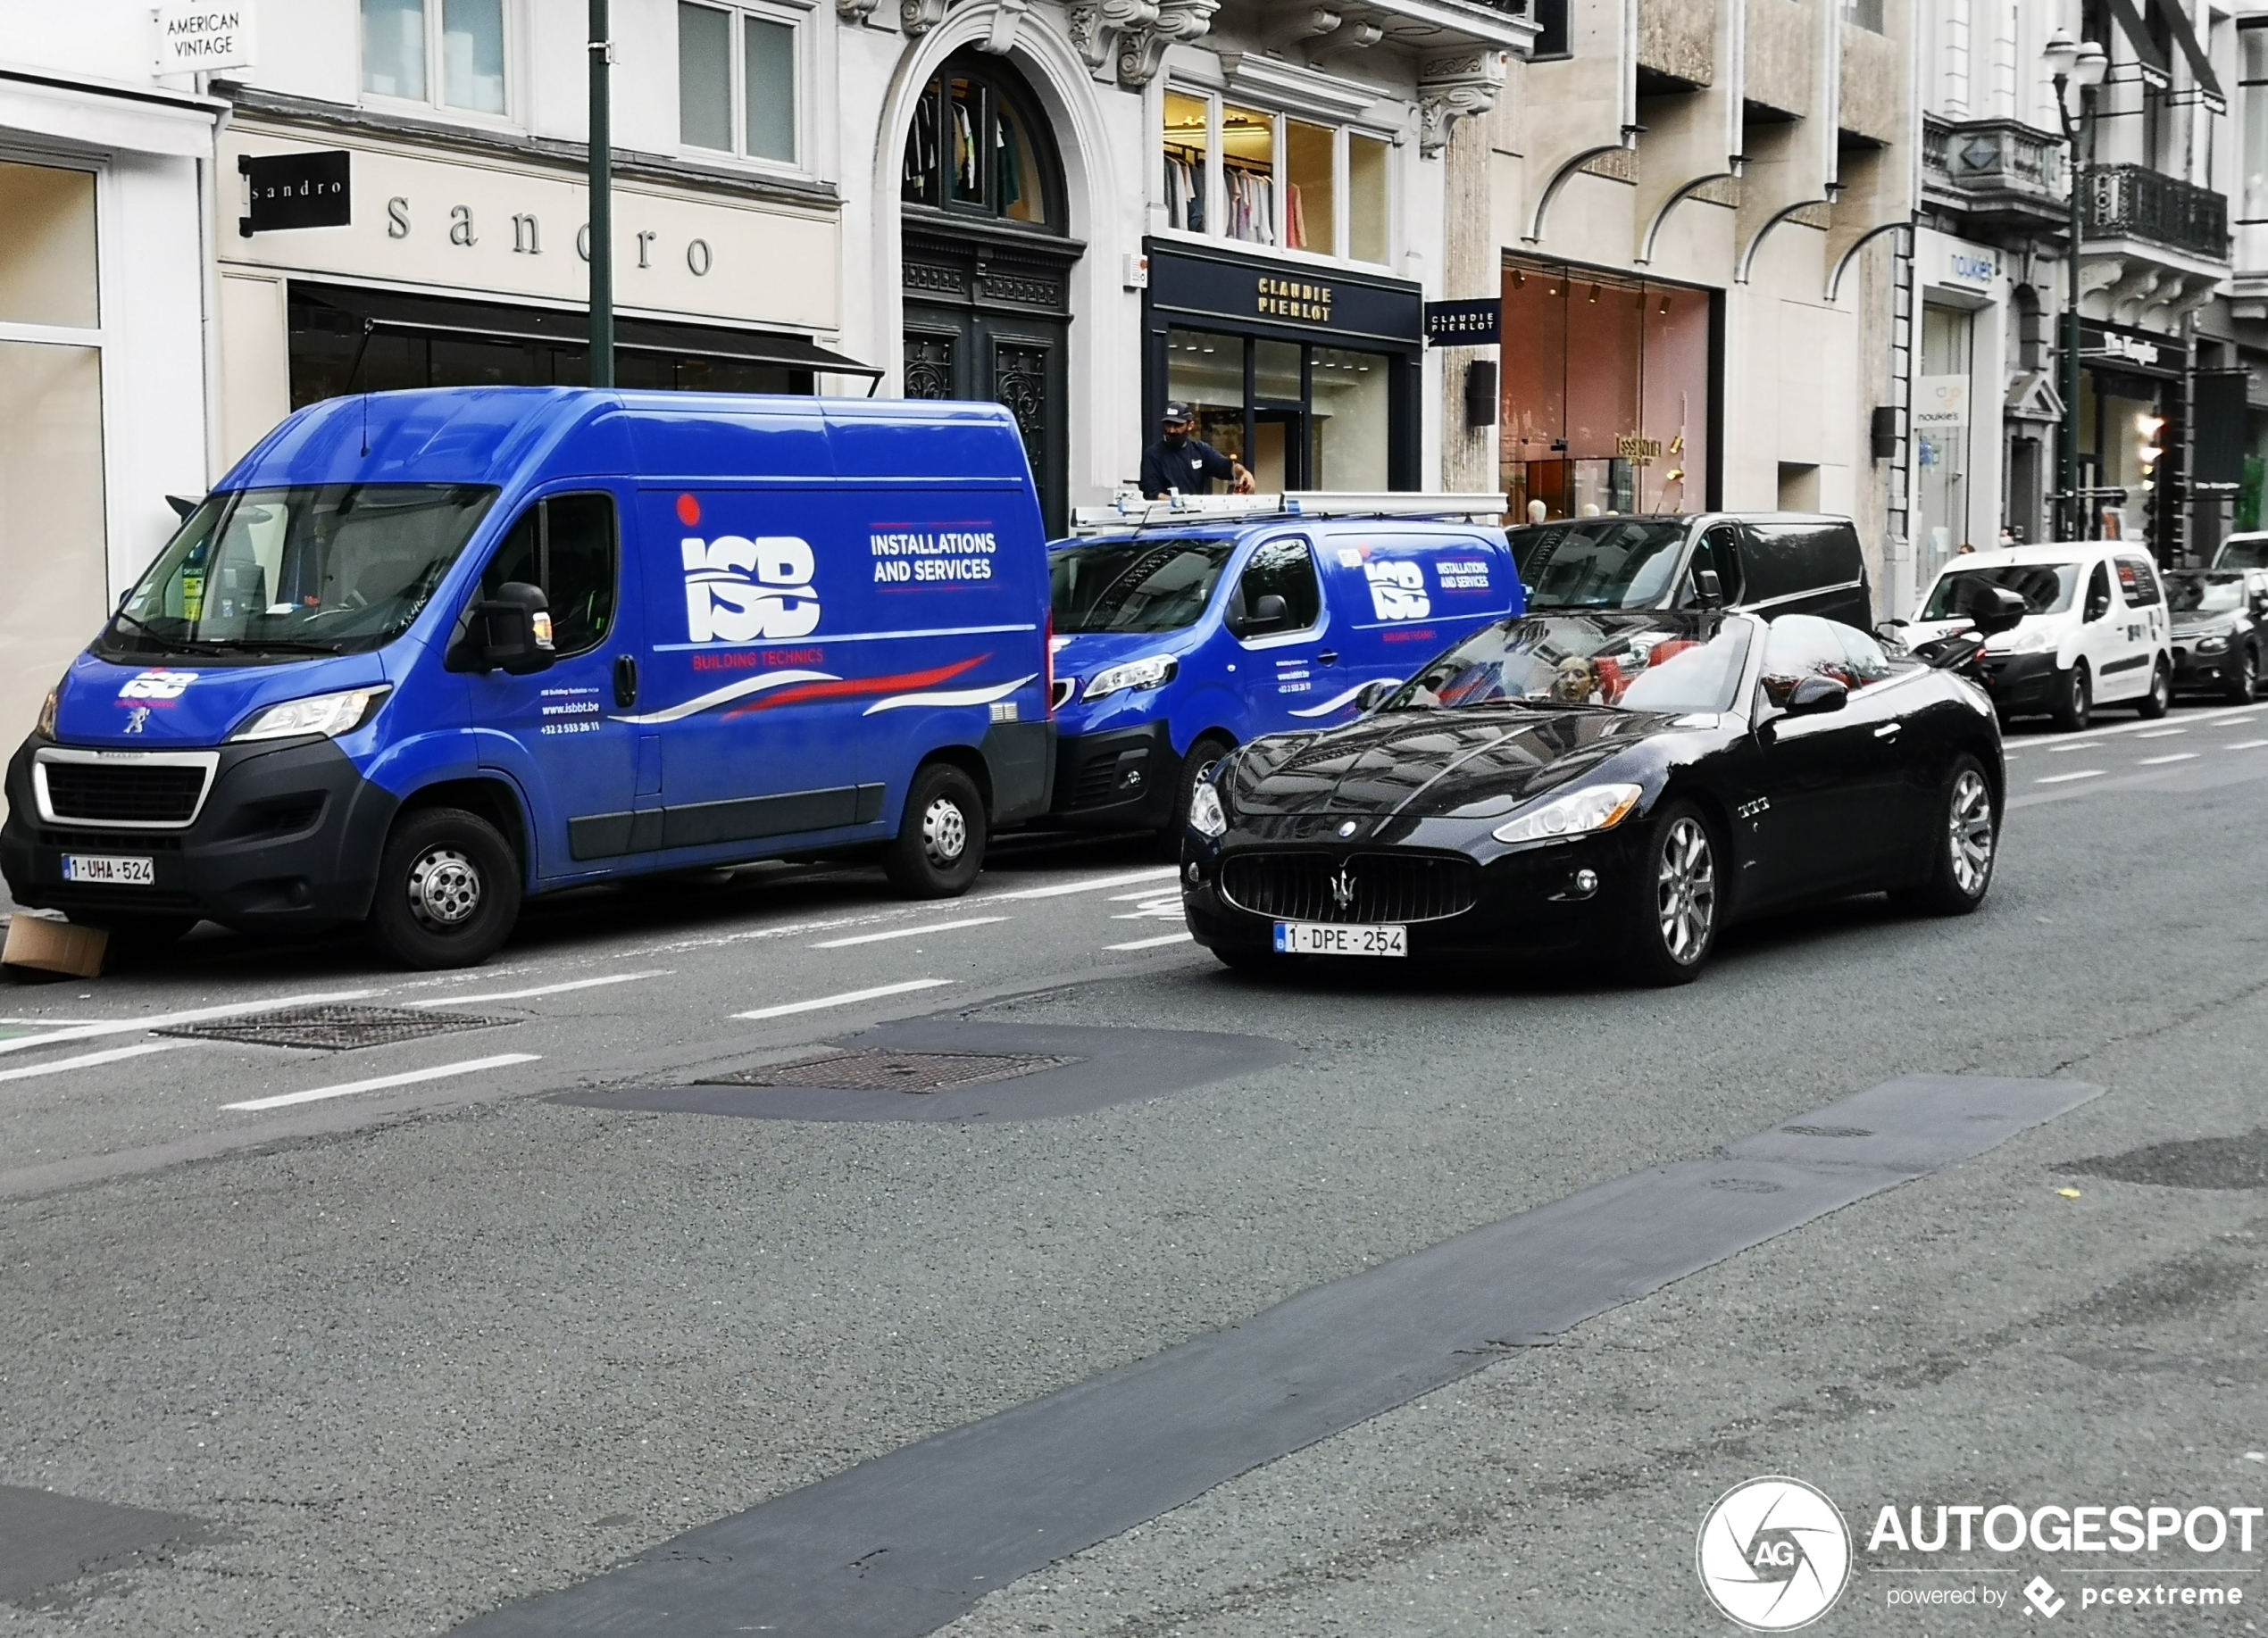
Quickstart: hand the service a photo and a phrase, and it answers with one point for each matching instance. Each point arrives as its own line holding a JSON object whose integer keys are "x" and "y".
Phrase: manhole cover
{"x": 880, "y": 1071}
{"x": 1827, "y": 1131}
{"x": 335, "y": 1029}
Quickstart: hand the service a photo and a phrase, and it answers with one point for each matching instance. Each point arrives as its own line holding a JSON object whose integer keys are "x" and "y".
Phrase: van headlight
{"x": 2025, "y": 640}
{"x": 48, "y": 707}
{"x": 1207, "y": 816}
{"x": 1153, "y": 672}
{"x": 321, "y": 713}
{"x": 1579, "y": 813}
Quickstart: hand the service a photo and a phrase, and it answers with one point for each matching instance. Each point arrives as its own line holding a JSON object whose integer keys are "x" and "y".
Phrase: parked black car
{"x": 1772, "y": 562}
{"x": 1629, "y": 782}
{"x": 2220, "y": 627}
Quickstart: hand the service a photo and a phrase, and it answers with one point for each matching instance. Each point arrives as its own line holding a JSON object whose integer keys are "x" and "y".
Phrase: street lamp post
{"x": 602, "y": 202}
{"x": 2080, "y": 63}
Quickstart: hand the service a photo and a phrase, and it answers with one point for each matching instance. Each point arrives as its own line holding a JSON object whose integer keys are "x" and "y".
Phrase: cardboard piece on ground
{"x": 49, "y": 945}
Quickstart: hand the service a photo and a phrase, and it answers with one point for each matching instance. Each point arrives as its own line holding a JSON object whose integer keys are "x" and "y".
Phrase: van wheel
{"x": 2155, "y": 704}
{"x": 939, "y": 846}
{"x": 1203, "y": 757}
{"x": 448, "y": 890}
{"x": 2075, "y": 700}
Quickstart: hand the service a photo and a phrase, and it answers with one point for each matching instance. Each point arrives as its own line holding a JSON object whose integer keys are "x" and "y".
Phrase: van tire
{"x": 2075, "y": 700}
{"x": 2152, "y": 705}
{"x": 1208, "y": 751}
{"x": 448, "y": 890}
{"x": 939, "y": 846}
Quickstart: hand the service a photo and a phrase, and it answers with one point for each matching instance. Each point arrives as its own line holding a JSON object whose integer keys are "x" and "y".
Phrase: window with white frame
{"x": 2252, "y": 87}
{"x": 449, "y": 53}
{"x": 736, "y": 80}
{"x": 1267, "y": 177}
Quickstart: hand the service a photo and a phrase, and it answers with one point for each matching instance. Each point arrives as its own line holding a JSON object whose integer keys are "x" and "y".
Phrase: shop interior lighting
{"x": 2148, "y": 425}
{"x": 1594, "y": 294}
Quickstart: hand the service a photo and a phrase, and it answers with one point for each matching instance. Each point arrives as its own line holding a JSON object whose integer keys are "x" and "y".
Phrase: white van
{"x": 2095, "y": 631}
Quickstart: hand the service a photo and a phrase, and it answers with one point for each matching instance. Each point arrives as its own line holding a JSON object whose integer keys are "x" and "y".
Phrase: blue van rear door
{"x": 561, "y": 733}
{"x": 1404, "y": 595}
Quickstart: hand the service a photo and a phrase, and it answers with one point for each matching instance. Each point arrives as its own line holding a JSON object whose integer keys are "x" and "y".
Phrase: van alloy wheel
{"x": 1969, "y": 831}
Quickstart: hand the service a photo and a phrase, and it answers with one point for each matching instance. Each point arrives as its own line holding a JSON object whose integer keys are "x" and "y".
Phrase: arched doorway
{"x": 986, "y": 260}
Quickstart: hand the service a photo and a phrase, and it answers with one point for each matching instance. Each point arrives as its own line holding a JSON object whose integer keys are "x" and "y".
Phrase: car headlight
{"x": 1579, "y": 813}
{"x": 1153, "y": 672}
{"x": 2025, "y": 640}
{"x": 1207, "y": 816}
{"x": 322, "y": 713}
{"x": 45, "y": 728}
{"x": 2216, "y": 643}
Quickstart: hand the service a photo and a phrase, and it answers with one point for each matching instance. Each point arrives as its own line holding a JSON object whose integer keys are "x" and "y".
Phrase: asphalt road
{"x": 396, "y": 1357}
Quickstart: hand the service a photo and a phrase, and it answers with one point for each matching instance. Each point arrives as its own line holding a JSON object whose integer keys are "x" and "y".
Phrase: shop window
{"x": 1366, "y": 198}
{"x": 735, "y": 75}
{"x": 976, "y": 147}
{"x": 48, "y": 256}
{"x": 564, "y": 545}
{"x": 2252, "y": 87}
{"x": 1551, "y": 29}
{"x": 1248, "y": 175}
{"x": 1267, "y": 179}
{"x": 1186, "y": 121}
{"x": 447, "y": 52}
{"x": 1349, "y": 420}
{"x": 1205, "y": 371}
{"x": 1310, "y": 200}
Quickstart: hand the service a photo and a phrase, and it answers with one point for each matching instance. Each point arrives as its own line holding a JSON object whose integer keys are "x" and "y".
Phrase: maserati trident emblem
{"x": 1347, "y": 829}
{"x": 137, "y": 720}
{"x": 1342, "y": 889}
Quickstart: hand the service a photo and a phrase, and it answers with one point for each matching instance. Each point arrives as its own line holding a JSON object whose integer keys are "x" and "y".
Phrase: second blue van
{"x": 421, "y": 654}
{"x": 1175, "y": 644}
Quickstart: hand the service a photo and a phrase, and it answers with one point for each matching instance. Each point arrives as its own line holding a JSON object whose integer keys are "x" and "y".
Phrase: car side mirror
{"x": 1815, "y": 695}
{"x": 2096, "y": 607}
{"x": 1372, "y": 695}
{"x": 1269, "y": 613}
{"x": 1708, "y": 587}
{"x": 1995, "y": 609}
{"x": 510, "y": 632}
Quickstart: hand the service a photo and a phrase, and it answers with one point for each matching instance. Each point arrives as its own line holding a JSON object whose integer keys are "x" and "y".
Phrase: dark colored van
{"x": 1772, "y": 564}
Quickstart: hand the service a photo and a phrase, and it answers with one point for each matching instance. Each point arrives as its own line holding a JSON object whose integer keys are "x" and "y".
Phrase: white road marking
{"x": 2232, "y": 714}
{"x": 1094, "y": 885}
{"x": 1181, "y": 937}
{"x": 848, "y": 998}
{"x": 2160, "y": 761}
{"x": 2246, "y": 744}
{"x": 166, "y": 1020}
{"x": 316, "y": 1094}
{"x": 2160, "y": 732}
{"x": 934, "y": 927}
{"x": 541, "y": 989}
{"x": 87, "y": 1060}
{"x": 2076, "y": 745}
{"x": 2084, "y": 773}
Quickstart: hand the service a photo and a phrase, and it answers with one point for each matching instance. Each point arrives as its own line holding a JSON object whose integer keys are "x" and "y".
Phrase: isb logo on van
{"x": 503, "y": 678}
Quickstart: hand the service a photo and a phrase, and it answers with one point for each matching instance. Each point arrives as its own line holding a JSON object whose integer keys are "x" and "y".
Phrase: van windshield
{"x": 1135, "y": 585}
{"x": 327, "y": 568}
{"x": 2203, "y": 591}
{"x": 1597, "y": 562}
{"x": 2045, "y": 588}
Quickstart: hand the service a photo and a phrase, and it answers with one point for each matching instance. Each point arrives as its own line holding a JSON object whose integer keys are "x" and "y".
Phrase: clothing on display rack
{"x": 1251, "y": 204}
{"x": 922, "y": 149}
{"x": 965, "y": 184}
{"x": 1184, "y": 190}
{"x": 1295, "y": 219}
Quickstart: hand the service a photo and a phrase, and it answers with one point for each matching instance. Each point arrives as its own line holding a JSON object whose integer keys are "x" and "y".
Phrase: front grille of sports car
{"x": 140, "y": 792}
{"x": 1367, "y": 887}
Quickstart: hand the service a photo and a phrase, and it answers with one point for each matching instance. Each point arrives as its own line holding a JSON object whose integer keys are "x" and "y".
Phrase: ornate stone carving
{"x": 1450, "y": 88}
{"x": 917, "y": 17}
{"x": 1179, "y": 21}
{"x": 1002, "y": 36}
{"x": 855, "y": 10}
{"x": 1095, "y": 30}
{"x": 1302, "y": 22}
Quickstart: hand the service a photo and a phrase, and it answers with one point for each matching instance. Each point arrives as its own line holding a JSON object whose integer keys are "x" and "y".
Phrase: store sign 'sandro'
{"x": 1292, "y": 298}
{"x": 307, "y": 190}
{"x": 528, "y": 235}
{"x": 195, "y": 36}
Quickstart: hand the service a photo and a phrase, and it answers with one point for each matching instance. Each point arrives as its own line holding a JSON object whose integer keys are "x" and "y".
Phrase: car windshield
{"x": 2243, "y": 553}
{"x": 2203, "y": 591}
{"x": 1599, "y": 562}
{"x": 1674, "y": 663}
{"x": 2045, "y": 588}
{"x": 1135, "y": 585}
{"x": 322, "y": 569}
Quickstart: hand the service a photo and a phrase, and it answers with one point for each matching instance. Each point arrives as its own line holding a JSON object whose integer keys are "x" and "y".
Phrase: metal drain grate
{"x": 335, "y": 1029}
{"x": 879, "y": 1070}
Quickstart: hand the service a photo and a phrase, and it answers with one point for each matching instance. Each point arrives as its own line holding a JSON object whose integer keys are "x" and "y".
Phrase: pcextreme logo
{"x": 738, "y": 590}
{"x": 1774, "y": 1554}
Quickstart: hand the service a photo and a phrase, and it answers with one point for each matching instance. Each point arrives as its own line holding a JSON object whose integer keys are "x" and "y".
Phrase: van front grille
{"x": 124, "y": 793}
{"x": 1367, "y": 887}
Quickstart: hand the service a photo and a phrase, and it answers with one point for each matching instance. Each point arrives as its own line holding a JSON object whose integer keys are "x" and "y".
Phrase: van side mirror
{"x": 1372, "y": 695}
{"x": 1265, "y": 615}
{"x": 1815, "y": 695}
{"x": 510, "y": 632}
{"x": 1990, "y": 609}
{"x": 1708, "y": 587}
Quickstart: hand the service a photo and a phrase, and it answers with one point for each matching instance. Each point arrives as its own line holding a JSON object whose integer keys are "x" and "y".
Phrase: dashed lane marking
{"x": 161, "y": 1020}
{"x": 2084, "y": 773}
{"x": 2246, "y": 744}
{"x": 2077, "y": 744}
{"x": 934, "y": 927}
{"x": 1094, "y": 885}
{"x": 848, "y": 998}
{"x": 2160, "y": 761}
{"x": 541, "y": 989}
{"x": 2161, "y": 733}
{"x": 87, "y": 1060}
{"x": 410, "y": 1077}
{"x": 1181, "y": 937}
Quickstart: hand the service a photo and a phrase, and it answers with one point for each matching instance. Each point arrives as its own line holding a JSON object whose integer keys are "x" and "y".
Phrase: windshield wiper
{"x": 288, "y": 646}
{"x": 170, "y": 644}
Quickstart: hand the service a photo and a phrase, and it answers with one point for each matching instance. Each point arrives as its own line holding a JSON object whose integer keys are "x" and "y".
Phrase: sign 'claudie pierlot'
{"x": 200, "y": 36}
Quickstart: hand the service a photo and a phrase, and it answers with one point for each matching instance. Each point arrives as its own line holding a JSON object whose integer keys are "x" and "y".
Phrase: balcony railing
{"x": 2134, "y": 202}
{"x": 2001, "y": 172}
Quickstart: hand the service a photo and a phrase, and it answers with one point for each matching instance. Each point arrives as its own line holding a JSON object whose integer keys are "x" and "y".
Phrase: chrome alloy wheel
{"x": 445, "y": 888}
{"x": 1686, "y": 890}
{"x": 945, "y": 831}
{"x": 1969, "y": 831}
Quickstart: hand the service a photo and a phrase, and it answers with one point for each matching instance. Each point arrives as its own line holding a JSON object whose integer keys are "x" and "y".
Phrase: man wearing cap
{"x": 1178, "y": 461}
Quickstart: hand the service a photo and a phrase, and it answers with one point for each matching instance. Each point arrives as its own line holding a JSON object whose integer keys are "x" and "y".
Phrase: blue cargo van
{"x": 1175, "y": 644}
{"x": 422, "y": 653}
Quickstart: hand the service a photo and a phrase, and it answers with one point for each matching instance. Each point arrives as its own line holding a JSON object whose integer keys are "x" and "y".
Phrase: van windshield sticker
{"x": 738, "y": 590}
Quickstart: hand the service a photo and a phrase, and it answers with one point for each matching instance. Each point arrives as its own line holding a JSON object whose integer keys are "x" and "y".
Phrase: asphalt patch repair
{"x": 48, "y": 1539}
{"x": 904, "y": 1544}
{"x": 1022, "y": 1072}
{"x": 2239, "y": 1162}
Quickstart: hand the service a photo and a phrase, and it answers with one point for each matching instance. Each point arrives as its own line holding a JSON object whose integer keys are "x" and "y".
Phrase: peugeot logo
{"x": 1342, "y": 889}
{"x": 137, "y": 720}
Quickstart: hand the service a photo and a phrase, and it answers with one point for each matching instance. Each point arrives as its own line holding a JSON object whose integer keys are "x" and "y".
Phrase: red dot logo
{"x": 688, "y": 510}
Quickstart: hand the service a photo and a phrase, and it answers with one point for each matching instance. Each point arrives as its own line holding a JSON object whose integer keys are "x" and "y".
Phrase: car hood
{"x": 1082, "y": 653}
{"x": 2201, "y": 623}
{"x": 1428, "y": 764}
{"x": 180, "y": 703}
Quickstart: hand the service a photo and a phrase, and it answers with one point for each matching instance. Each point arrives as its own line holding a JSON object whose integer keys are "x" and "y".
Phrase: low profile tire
{"x": 2160, "y": 698}
{"x": 2075, "y": 700}
{"x": 1203, "y": 757}
{"x": 2243, "y": 675}
{"x": 1965, "y": 841}
{"x": 448, "y": 890}
{"x": 941, "y": 842}
{"x": 1678, "y": 902}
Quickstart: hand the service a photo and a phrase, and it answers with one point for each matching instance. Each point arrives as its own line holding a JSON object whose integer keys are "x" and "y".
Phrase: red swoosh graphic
{"x": 854, "y": 685}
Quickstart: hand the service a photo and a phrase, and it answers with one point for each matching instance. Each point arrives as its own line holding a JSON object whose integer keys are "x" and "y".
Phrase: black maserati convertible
{"x": 1629, "y": 783}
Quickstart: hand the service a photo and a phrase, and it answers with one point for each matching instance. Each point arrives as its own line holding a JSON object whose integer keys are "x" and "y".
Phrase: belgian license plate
{"x": 1320, "y": 938}
{"x": 112, "y": 870}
